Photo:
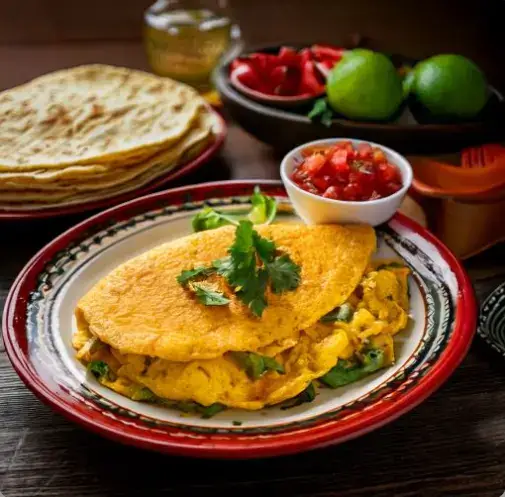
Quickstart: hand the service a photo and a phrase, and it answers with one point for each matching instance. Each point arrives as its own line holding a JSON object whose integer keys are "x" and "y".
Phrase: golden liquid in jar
{"x": 186, "y": 44}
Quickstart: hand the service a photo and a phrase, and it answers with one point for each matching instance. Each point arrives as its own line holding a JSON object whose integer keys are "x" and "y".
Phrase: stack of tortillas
{"x": 95, "y": 132}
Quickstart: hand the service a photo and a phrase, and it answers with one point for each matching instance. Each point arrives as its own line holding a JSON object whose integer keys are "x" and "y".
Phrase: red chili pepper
{"x": 309, "y": 82}
{"x": 324, "y": 52}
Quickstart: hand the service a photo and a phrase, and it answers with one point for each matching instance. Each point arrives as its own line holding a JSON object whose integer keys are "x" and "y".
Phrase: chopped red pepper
{"x": 289, "y": 57}
{"x": 324, "y": 52}
{"x": 289, "y": 73}
{"x": 309, "y": 82}
{"x": 248, "y": 77}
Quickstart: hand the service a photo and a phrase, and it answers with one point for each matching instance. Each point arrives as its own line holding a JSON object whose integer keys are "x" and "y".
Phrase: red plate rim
{"x": 179, "y": 172}
{"x": 239, "y": 445}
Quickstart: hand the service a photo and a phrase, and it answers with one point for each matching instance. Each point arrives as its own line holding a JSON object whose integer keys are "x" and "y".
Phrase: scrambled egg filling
{"x": 336, "y": 351}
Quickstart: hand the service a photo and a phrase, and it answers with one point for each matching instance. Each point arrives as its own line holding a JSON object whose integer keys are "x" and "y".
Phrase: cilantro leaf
{"x": 144, "y": 394}
{"x": 346, "y": 372}
{"x": 308, "y": 395}
{"x": 252, "y": 292}
{"x": 190, "y": 274}
{"x": 223, "y": 266}
{"x": 265, "y": 248}
{"x": 321, "y": 111}
{"x": 100, "y": 370}
{"x": 284, "y": 274}
{"x": 210, "y": 297}
{"x": 320, "y": 106}
{"x": 263, "y": 208}
{"x": 342, "y": 313}
{"x": 242, "y": 256}
{"x": 192, "y": 407}
{"x": 391, "y": 265}
{"x": 256, "y": 365}
{"x": 209, "y": 219}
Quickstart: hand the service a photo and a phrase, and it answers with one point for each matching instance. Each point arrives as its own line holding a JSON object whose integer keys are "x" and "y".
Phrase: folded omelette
{"x": 149, "y": 339}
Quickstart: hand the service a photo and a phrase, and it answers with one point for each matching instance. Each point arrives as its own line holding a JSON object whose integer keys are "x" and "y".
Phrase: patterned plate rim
{"x": 190, "y": 166}
{"x": 217, "y": 445}
{"x": 482, "y": 328}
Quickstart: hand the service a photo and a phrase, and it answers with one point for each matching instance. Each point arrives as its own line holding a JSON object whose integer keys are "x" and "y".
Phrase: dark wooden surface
{"x": 451, "y": 445}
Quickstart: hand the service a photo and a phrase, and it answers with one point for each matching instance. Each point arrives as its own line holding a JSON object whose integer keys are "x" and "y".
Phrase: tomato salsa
{"x": 345, "y": 172}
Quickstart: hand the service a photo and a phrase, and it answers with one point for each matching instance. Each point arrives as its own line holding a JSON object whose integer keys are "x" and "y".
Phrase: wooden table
{"x": 452, "y": 444}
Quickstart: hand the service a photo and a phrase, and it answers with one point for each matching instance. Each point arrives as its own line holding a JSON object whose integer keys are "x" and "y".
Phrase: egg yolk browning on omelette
{"x": 347, "y": 344}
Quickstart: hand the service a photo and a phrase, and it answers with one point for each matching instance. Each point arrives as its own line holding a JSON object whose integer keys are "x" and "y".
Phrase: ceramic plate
{"x": 492, "y": 320}
{"x": 38, "y": 324}
{"x": 64, "y": 210}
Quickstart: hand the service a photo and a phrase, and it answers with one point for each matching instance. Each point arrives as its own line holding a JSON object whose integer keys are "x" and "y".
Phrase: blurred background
{"x": 67, "y": 33}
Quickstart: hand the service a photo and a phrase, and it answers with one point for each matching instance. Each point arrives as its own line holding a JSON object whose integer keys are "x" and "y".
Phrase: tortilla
{"x": 19, "y": 199}
{"x": 140, "y": 308}
{"x": 197, "y": 138}
{"x": 92, "y": 114}
{"x": 98, "y": 176}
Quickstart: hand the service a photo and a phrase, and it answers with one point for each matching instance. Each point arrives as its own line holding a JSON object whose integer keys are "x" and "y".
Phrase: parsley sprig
{"x": 252, "y": 265}
{"x": 263, "y": 211}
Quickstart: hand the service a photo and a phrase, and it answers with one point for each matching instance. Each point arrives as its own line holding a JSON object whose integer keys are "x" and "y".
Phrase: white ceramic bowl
{"x": 314, "y": 209}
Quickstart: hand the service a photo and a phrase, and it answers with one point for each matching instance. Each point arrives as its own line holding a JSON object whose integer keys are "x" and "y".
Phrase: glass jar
{"x": 185, "y": 40}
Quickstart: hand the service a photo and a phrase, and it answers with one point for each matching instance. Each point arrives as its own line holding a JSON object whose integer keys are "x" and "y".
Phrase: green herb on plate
{"x": 322, "y": 112}
{"x": 251, "y": 266}
{"x": 263, "y": 211}
{"x": 210, "y": 297}
{"x": 342, "y": 313}
{"x": 391, "y": 265}
{"x": 264, "y": 208}
{"x": 308, "y": 395}
{"x": 210, "y": 219}
{"x": 346, "y": 372}
{"x": 99, "y": 369}
{"x": 144, "y": 395}
{"x": 192, "y": 274}
{"x": 256, "y": 365}
{"x": 191, "y": 407}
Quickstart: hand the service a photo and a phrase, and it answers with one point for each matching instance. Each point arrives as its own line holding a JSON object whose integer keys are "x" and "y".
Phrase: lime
{"x": 450, "y": 86}
{"x": 408, "y": 82}
{"x": 364, "y": 85}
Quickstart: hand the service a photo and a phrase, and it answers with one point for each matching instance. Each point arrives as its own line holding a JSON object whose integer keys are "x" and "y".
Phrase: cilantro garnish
{"x": 256, "y": 365}
{"x": 99, "y": 369}
{"x": 308, "y": 395}
{"x": 210, "y": 297}
{"x": 321, "y": 111}
{"x": 191, "y": 274}
{"x": 342, "y": 313}
{"x": 252, "y": 265}
{"x": 346, "y": 372}
{"x": 263, "y": 211}
{"x": 284, "y": 274}
{"x": 209, "y": 219}
{"x": 263, "y": 208}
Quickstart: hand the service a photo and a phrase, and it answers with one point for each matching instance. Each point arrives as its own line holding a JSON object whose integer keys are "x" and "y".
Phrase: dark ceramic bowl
{"x": 409, "y": 131}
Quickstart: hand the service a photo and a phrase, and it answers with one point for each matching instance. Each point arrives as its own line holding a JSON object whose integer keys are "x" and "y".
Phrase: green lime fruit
{"x": 450, "y": 86}
{"x": 364, "y": 85}
{"x": 408, "y": 83}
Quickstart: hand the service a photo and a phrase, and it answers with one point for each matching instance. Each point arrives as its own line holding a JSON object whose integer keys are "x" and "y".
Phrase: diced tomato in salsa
{"x": 345, "y": 172}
